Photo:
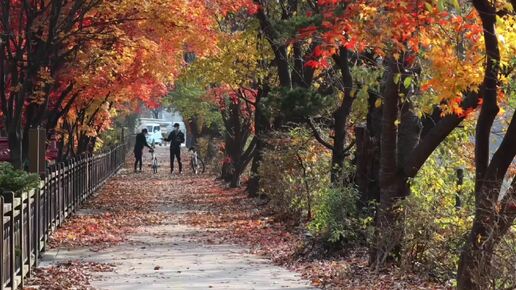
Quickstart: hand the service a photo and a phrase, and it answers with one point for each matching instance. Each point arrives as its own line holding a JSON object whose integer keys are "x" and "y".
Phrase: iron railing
{"x": 30, "y": 218}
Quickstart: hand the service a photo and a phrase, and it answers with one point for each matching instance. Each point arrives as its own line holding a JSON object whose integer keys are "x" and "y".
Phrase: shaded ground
{"x": 133, "y": 235}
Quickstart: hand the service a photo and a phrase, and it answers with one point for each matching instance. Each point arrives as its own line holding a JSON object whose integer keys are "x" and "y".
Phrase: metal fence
{"x": 29, "y": 218}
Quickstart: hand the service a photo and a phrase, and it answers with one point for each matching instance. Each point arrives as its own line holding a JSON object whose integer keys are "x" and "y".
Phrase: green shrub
{"x": 335, "y": 215}
{"x": 293, "y": 168}
{"x": 16, "y": 180}
{"x": 295, "y": 176}
{"x": 435, "y": 226}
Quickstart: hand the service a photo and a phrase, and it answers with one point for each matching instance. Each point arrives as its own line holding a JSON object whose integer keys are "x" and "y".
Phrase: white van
{"x": 154, "y": 133}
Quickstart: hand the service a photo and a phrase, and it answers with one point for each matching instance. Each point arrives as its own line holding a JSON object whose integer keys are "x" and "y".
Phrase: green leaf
{"x": 440, "y": 5}
{"x": 397, "y": 78}
{"x": 407, "y": 82}
{"x": 456, "y": 4}
{"x": 429, "y": 7}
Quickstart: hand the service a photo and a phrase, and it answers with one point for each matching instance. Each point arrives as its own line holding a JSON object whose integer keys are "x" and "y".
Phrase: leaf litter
{"x": 129, "y": 202}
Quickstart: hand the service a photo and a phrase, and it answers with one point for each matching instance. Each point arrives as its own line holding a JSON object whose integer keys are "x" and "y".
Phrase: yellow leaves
{"x": 236, "y": 63}
{"x": 506, "y": 33}
{"x": 450, "y": 73}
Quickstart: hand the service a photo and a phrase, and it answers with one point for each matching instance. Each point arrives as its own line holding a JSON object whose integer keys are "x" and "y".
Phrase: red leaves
{"x": 253, "y": 8}
{"x": 320, "y": 64}
{"x": 118, "y": 212}
{"x": 69, "y": 275}
{"x": 307, "y": 32}
{"x": 328, "y": 2}
{"x": 95, "y": 231}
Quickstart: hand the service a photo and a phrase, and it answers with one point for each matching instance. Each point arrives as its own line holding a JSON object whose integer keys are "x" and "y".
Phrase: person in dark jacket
{"x": 141, "y": 142}
{"x": 176, "y": 138}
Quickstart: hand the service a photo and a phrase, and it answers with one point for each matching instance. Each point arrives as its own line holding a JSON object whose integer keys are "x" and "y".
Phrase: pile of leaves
{"x": 82, "y": 231}
{"x": 68, "y": 275}
{"x": 107, "y": 218}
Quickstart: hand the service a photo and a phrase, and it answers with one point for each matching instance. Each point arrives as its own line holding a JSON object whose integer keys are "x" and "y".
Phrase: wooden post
{"x": 460, "y": 182}
{"x": 9, "y": 197}
{"x": 37, "y": 149}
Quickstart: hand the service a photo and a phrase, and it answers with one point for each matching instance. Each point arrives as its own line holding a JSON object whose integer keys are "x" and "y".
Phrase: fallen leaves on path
{"x": 129, "y": 202}
{"x": 121, "y": 207}
{"x": 70, "y": 275}
{"x": 229, "y": 216}
{"x": 81, "y": 231}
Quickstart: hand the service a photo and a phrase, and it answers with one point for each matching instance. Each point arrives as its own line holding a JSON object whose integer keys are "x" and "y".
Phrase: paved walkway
{"x": 168, "y": 256}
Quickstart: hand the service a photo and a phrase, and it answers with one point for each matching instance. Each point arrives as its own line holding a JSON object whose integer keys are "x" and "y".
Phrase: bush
{"x": 335, "y": 216}
{"x": 212, "y": 153}
{"x": 293, "y": 168}
{"x": 295, "y": 176}
{"x": 16, "y": 180}
{"x": 436, "y": 227}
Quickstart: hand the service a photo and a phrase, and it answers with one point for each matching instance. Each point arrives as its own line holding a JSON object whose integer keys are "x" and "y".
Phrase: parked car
{"x": 154, "y": 133}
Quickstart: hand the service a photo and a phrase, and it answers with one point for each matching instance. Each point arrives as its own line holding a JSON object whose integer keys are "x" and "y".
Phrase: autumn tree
{"x": 130, "y": 47}
{"x": 233, "y": 80}
{"x": 495, "y": 211}
{"x": 38, "y": 38}
{"x": 404, "y": 147}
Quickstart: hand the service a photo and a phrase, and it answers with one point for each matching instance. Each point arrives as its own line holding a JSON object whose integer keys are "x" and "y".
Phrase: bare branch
{"x": 317, "y": 134}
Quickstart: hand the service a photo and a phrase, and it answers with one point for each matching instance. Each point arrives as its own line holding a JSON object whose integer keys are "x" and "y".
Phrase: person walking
{"x": 141, "y": 142}
{"x": 176, "y": 138}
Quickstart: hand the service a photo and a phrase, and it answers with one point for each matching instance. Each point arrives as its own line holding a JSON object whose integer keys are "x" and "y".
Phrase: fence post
{"x": 29, "y": 232}
{"x": 62, "y": 193}
{"x": 9, "y": 198}
{"x": 37, "y": 222}
{"x": 45, "y": 210}
{"x": 22, "y": 240}
{"x": 460, "y": 182}
{"x": 51, "y": 197}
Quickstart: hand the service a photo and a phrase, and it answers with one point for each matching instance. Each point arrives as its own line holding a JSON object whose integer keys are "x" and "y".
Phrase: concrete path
{"x": 168, "y": 256}
{"x": 164, "y": 257}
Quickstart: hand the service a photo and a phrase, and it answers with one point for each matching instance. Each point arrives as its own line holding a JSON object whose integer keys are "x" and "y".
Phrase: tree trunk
{"x": 253, "y": 187}
{"x": 261, "y": 126}
{"x": 15, "y": 145}
{"x": 235, "y": 178}
{"x": 475, "y": 270}
{"x": 492, "y": 219}
{"x": 366, "y": 177}
{"x": 368, "y": 156}
{"x": 193, "y": 131}
{"x": 341, "y": 117}
{"x": 388, "y": 222}
{"x": 338, "y": 153}
{"x": 475, "y": 262}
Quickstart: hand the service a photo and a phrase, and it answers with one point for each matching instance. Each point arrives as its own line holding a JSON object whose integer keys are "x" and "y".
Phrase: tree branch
{"x": 317, "y": 134}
